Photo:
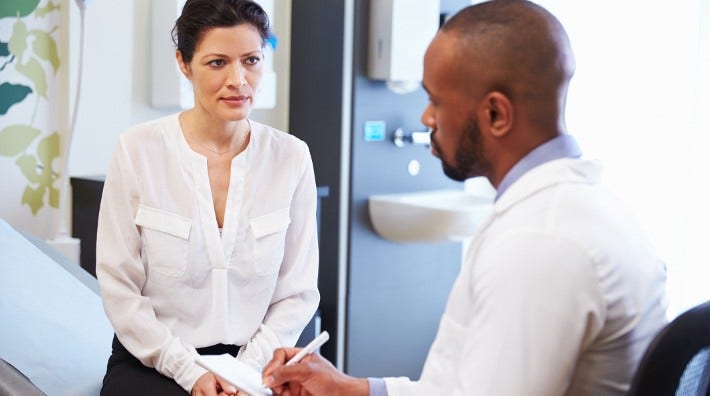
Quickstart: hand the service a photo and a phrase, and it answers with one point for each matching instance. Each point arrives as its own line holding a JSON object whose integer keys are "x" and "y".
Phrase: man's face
{"x": 468, "y": 160}
{"x": 456, "y": 135}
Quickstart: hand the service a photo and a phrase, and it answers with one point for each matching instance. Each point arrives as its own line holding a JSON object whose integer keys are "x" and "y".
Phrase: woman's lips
{"x": 235, "y": 100}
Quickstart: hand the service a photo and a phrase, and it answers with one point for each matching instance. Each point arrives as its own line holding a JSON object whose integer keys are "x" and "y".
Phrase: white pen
{"x": 310, "y": 348}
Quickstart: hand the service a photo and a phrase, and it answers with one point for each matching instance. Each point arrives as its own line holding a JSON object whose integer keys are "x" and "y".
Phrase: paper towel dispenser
{"x": 400, "y": 31}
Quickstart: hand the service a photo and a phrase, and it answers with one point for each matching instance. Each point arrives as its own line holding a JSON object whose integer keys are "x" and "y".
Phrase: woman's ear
{"x": 184, "y": 67}
{"x": 497, "y": 112}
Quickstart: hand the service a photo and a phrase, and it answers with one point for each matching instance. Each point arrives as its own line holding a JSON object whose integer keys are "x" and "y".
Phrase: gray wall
{"x": 395, "y": 292}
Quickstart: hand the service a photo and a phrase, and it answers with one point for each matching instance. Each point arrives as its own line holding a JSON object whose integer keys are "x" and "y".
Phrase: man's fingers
{"x": 290, "y": 380}
{"x": 285, "y": 374}
{"x": 278, "y": 359}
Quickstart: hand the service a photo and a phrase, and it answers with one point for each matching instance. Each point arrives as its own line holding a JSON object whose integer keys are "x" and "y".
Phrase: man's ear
{"x": 497, "y": 113}
{"x": 184, "y": 67}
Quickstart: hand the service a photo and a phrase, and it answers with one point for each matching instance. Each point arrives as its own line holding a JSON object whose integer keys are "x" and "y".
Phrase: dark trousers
{"x": 126, "y": 375}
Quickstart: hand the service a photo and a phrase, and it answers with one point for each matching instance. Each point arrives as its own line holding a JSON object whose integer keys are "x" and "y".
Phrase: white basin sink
{"x": 428, "y": 216}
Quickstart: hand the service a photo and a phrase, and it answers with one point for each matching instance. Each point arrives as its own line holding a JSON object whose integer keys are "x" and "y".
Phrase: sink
{"x": 428, "y": 216}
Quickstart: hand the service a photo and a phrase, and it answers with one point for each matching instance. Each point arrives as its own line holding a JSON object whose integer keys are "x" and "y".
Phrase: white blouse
{"x": 170, "y": 284}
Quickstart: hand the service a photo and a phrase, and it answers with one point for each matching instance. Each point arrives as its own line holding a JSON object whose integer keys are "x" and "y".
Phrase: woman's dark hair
{"x": 199, "y": 16}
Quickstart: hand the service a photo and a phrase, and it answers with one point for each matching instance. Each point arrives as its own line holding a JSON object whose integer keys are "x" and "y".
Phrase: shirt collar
{"x": 562, "y": 146}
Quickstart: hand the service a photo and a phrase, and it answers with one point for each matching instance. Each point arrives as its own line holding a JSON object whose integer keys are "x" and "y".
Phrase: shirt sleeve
{"x": 377, "y": 387}
{"x": 296, "y": 296}
{"x": 121, "y": 276}
{"x": 397, "y": 386}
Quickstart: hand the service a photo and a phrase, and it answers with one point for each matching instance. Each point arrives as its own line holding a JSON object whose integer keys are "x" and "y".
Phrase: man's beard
{"x": 468, "y": 159}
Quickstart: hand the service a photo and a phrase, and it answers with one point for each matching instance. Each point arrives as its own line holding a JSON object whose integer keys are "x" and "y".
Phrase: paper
{"x": 242, "y": 376}
{"x": 53, "y": 327}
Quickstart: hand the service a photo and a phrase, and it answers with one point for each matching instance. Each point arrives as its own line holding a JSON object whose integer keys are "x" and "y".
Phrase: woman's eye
{"x": 252, "y": 60}
{"x": 217, "y": 62}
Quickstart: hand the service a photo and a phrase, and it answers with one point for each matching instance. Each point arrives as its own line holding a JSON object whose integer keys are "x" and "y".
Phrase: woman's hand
{"x": 210, "y": 385}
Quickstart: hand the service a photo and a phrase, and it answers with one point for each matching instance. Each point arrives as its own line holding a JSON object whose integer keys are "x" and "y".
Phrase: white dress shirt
{"x": 170, "y": 283}
{"x": 559, "y": 294}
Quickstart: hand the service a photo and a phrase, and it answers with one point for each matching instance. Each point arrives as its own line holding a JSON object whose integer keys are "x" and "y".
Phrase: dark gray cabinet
{"x": 86, "y": 198}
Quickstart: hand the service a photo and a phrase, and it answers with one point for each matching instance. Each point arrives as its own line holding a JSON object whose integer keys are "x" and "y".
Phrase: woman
{"x": 207, "y": 230}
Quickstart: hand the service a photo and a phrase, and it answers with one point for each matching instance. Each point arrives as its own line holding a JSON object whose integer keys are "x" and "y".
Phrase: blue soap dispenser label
{"x": 374, "y": 131}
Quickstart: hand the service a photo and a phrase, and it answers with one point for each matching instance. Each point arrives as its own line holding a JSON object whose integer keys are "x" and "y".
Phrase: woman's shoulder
{"x": 149, "y": 137}
{"x": 269, "y": 137}
{"x": 157, "y": 126}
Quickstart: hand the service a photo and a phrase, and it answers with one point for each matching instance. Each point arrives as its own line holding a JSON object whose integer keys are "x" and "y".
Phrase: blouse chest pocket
{"x": 165, "y": 240}
{"x": 269, "y": 232}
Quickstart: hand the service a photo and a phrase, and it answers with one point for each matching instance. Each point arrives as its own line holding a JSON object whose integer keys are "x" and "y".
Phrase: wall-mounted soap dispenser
{"x": 169, "y": 88}
{"x": 400, "y": 31}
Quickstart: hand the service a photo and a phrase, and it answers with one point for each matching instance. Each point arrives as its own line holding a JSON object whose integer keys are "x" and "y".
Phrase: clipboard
{"x": 238, "y": 374}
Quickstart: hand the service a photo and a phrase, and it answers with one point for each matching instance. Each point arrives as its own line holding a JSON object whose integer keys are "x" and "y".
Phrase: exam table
{"x": 54, "y": 336}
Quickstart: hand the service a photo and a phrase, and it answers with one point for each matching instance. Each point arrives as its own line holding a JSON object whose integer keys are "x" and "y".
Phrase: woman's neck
{"x": 212, "y": 134}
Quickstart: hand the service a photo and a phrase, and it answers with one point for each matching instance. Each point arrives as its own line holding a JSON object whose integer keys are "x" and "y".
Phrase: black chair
{"x": 677, "y": 362}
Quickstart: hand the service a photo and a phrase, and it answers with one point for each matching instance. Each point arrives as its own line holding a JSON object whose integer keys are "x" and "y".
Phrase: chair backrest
{"x": 678, "y": 359}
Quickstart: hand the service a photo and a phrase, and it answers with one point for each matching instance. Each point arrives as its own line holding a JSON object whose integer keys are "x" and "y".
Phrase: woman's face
{"x": 225, "y": 71}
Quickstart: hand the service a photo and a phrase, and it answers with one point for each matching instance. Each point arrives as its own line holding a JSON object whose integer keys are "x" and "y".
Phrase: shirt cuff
{"x": 377, "y": 387}
{"x": 179, "y": 363}
{"x": 187, "y": 378}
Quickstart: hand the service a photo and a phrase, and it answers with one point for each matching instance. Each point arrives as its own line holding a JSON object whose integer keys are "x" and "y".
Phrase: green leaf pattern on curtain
{"x": 11, "y": 94}
{"x": 14, "y": 8}
{"x": 34, "y": 56}
{"x": 42, "y": 11}
{"x": 45, "y": 47}
{"x": 41, "y": 173}
{"x": 16, "y": 138}
{"x": 33, "y": 70}
{"x": 18, "y": 40}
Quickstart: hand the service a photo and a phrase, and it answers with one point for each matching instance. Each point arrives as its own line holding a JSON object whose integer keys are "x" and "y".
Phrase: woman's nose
{"x": 237, "y": 76}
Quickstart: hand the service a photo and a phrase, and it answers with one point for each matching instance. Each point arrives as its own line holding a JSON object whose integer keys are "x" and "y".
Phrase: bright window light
{"x": 639, "y": 102}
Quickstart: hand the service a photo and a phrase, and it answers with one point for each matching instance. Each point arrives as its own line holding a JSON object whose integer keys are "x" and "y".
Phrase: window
{"x": 640, "y": 102}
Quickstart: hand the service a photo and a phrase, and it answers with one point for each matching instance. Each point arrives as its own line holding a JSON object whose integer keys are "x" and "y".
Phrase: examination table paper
{"x": 53, "y": 328}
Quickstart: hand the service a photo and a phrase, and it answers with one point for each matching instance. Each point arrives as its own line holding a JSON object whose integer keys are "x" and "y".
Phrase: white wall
{"x": 116, "y": 78}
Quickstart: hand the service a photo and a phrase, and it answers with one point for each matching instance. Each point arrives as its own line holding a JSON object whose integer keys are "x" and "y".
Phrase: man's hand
{"x": 210, "y": 385}
{"x": 314, "y": 375}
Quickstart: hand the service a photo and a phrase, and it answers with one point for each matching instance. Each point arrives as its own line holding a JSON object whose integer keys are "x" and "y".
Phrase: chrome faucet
{"x": 400, "y": 137}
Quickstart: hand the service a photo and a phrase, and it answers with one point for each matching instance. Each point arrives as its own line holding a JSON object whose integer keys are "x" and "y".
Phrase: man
{"x": 560, "y": 293}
